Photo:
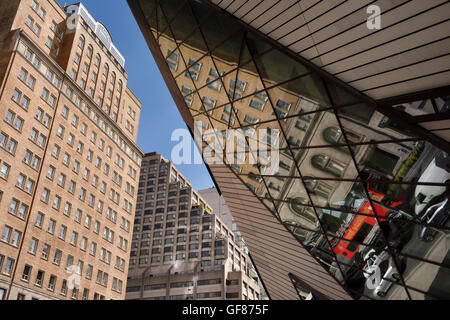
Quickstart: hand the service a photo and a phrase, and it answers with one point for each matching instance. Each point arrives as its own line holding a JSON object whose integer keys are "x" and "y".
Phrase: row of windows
{"x": 46, "y": 71}
{"x": 57, "y": 200}
{"x": 38, "y": 9}
{"x": 104, "y": 256}
{"x": 178, "y": 256}
{"x": 113, "y": 194}
{"x": 6, "y": 265}
{"x": 102, "y": 279}
{"x": 169, "y": 232}
{"x": 24, "y": 101}
{"x": 118, "y": 160}
{"x": 94, "y": 78}
{"x": 170, "y": 216}
{"x": 258, "y": 102}
{"x": 7, "y": 143}
{"x": 182, "y": 247}
{"x": 146, "y": 252}
{"x": 193, "y": 239}
{"x": 36, "y": 28}
{"x": 14, "y": 120}
{"x": 120, "y": 142}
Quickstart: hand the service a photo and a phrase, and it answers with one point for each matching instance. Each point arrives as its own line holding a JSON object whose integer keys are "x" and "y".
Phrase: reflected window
{"x": 215, "y": 85}
{"x": 296, "y": 229}
{"x": 191, "y": 74}
{"x": 236, "y": 167}
{"x": 251, "y": 187}
{"x": 298, "y": 206}
{"x": 327, "y": 164}
{"x": 172, "y": 55}
{"x": 261, "y": 95}
{"x": 333, "y": 135}
{"x": 185, "y": 90}
{"x": 250, "y": 120}
{"x": 234, "y": 94}
{"x": 381, "y": 160}
{"x": 195, "y": 65}
{"x": 283, "y": 105}
{"x": 257, "y": 105}
{"x": 172, "y": 65}
{"x": 279, "y": 113}
{"x": 239, "y": 84}
{"x": 319, "y": 188}
{"x": 208, "y": 101}
{"x": 255, "y": 177}
{"x": 302, "y": 125}
{"x": 294, "y": 141}
{"x": 274, "y": 186}
{"x": 214, "y": 73}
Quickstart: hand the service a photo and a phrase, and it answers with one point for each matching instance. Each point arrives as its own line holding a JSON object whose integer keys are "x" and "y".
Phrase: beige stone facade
{"x": 208, "y": 99}
{"x": 181, "y": 249}
{"x": 68, "y": 157}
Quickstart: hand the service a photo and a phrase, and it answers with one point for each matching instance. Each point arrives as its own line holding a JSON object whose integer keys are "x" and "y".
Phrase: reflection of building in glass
{"x": 362, "y": 126}
{"x": 181, "y": 249}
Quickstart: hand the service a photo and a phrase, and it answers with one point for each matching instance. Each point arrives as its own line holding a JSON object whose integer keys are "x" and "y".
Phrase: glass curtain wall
{"x": 369, "y": 200}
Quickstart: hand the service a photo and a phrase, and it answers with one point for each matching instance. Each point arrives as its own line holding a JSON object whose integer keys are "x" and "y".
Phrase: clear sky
{"x": 159, "y": 114}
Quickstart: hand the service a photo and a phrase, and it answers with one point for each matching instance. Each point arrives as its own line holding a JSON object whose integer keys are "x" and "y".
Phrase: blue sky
{"x": 159, "y": 114}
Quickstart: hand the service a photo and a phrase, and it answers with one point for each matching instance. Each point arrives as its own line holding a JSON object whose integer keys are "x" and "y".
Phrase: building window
{"x": 37, "y": 29}
{"x": 7, "y": 268}
{"x": 26, "y": 273}
{"x": 57, "y": 257}
{"x": 238, "y": 84}
{"x": 39, "y": 220}
{"x": 326, "y": 163}
{"x": 51, "y": 226}
{"x": 4, "y": 170}
{"x": 51, "y": 283}
{"x": 42, "y": 13}
{"x": 64, "y": 288}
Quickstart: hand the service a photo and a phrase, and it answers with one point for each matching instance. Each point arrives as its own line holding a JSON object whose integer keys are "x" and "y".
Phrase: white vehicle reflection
{"x": 437, "y": 214}
{"x": 438, "y": 171}
{"x": 379, "y": 269}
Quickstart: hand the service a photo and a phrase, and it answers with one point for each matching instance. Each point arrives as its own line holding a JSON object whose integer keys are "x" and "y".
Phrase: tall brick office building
{"x": 181, "y": 248}
{"x": 68, "y": 155}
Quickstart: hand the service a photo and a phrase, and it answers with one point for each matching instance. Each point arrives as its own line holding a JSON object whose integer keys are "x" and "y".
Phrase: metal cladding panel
{"x": 272, "y": 260}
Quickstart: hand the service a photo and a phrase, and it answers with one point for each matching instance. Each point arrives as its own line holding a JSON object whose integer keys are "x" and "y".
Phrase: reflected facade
{"x": 365, "y": 194}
